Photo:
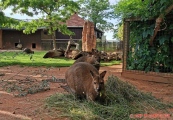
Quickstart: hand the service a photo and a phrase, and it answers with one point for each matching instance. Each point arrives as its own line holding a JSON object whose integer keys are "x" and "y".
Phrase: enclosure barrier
{"x": 108, "y": 46}
{"x": 145, "y": 62}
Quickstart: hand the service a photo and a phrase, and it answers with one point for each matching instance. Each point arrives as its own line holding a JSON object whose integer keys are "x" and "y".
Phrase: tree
{"x": 6, "y": 21}
{"x": 1, "y": 17}
{"x": 143, "y": 9}
{"x": 54, "y": 14}
{"x": 119, "y": 33}
{"x": 152, "y": 16}
{"x": 97, "y": 11}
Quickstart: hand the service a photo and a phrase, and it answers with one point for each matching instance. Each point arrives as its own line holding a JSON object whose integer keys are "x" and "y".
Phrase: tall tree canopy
{"x": 54, "y": 14}
{"x": 141, "y": 8}
{"x": 97, "y": 11}
{"x": 155, "y": 16}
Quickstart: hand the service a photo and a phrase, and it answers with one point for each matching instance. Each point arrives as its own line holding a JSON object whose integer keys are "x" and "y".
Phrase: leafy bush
{"x": 144, "y": 57}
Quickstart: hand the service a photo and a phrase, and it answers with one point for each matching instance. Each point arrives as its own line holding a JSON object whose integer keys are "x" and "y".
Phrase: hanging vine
{"x": 142, "y": 56}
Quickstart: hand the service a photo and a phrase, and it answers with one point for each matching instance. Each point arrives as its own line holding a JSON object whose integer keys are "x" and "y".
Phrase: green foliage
{"x": 97, "y": 11}
{"x": 144, "y": 57}
{"x": 6, "y": 21}
{"x": 119, "y": 34}
{"x": 122, "y": 99}
{"x": 137, "y": 8}
{"x": 1, "y": 17}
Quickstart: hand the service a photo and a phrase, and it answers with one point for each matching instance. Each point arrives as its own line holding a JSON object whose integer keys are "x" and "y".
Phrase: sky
{"x": 109, "y": 34}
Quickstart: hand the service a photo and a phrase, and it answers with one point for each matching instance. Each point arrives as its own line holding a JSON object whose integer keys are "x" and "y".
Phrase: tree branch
{"x": 159, "y": 20}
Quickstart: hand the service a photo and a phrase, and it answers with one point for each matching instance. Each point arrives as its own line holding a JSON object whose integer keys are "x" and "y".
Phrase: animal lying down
{"x": 54, "y": 53}
{"x": 85, "y": 81}
{"x": 89, "y": 59}
{"x": 28, "y": 51}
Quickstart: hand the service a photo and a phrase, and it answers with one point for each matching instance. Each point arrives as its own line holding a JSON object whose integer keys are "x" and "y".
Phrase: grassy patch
{"x": 113, "y": 62}
{"x": 8, "y": 58}
{"x": 122, "y": 99}
{"x": 17, "y": 58}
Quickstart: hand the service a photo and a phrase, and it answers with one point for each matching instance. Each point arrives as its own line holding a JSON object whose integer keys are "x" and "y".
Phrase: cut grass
{"x": 122, "y": 99}
{"x": 8, "y": 58}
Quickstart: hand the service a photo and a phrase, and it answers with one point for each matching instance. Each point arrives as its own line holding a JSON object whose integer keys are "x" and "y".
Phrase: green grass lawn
{"x": 8, "y": 58}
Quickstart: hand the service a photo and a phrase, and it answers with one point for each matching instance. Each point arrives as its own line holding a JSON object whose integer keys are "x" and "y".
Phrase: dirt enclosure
{"x": 30, "y": 105}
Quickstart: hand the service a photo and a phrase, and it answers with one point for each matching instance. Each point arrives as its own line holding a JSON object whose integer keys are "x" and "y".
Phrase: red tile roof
{"x": 75, "y": 20}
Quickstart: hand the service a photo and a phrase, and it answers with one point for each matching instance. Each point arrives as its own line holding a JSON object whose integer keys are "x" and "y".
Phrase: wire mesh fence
{"x": 110, "y": 46}
{"x": 107, "y": 46}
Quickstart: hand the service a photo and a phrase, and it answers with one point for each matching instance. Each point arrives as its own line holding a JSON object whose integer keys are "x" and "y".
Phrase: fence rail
{"x": 107, "y": 46}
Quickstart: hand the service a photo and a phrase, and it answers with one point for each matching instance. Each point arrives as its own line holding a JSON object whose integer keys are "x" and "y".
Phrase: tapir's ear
{"x": 92, "y": 74}
{"x": 102, "y": 75}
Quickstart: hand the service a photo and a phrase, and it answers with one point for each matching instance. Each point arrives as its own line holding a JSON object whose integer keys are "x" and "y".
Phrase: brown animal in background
{"x": 54, "y": 53}
{"x": 89, "y": 59}
{"x": 85, "y": 81}
{"x": 97, "y": 54}
{"x": 28, "y": 51}
{"x": 94, "y": 52}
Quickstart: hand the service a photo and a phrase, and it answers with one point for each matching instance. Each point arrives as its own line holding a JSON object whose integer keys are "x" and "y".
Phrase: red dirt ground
{"x": 32, "y": 106}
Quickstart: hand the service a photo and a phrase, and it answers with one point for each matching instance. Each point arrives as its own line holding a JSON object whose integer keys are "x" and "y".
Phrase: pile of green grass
{"x": 8, "y": 58}
{"x": 122, "y": 99}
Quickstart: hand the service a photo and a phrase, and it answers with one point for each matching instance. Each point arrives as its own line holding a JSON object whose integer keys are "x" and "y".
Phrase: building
{"x": 40, "y": 40}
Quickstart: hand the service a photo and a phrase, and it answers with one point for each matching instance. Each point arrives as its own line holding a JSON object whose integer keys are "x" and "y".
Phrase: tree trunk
{"x": 54, "y": 41}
